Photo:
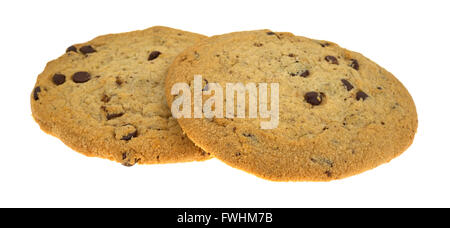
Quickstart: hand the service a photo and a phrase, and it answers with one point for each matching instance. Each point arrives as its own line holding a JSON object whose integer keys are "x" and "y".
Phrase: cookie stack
{"x": 337, "y": 112}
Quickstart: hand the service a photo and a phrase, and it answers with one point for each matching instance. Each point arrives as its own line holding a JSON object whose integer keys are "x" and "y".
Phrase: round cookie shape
{"x": 339, "y": 113}
{"x": 105, "y": 98}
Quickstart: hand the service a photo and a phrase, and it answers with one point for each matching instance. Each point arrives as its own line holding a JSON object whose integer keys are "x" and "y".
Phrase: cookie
{"x": 105, "y": 98}
{"x": 339, "y": 113}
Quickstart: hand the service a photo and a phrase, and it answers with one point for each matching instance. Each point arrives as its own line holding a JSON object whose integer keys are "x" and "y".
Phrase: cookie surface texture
{"x": 339, "y": 113}
{"x": 105, "y": 98}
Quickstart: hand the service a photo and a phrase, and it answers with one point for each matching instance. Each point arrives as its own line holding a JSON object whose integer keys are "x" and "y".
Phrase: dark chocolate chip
{"x": 119, "y": 81}
{"x": 379, "y": 88}
{"x": 36, "y": 92}
{"x": 361, "y": 95}
{"x": 129, "y": 136}
{"x": 270, "y": 33}
{"x": 325, "y": 45}
{"x": 154, "y": 55}
{"x": 347, "y": 84}
{"x": 291, "y": 55}
{"x": 127, "y": 164}
{"x": 59, "y": 79}
{"x": 81, "y": 77}
{"x": 354, "y": 64}
{"x": 106, "y": 98}
{"x": 258, "y": 44}
{"x": 331, "y": 59}
{"x": 87, "y": 49}
{"x": 113, "y": 115}
{"x": 305, "y": 73}
{"x": 71, "y": 48}
{"x": 314, "y": 98}
{"x": 328, "y": 173}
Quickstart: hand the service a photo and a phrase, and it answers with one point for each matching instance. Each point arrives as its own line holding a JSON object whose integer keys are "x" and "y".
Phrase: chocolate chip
{"x": 328, "y": 173}
{"x": 250, "y": 136}
{"x": 325, "y": 45}
{"x": 361, "y": 95}
{"x": 124, "y": 156}
{"x": 119, "y": 81}
{"x": 81, "y": 77}
{"x": 87, "y": 49}
{"x": 291, "y": 55}
{"x": 379, "y": 88}
{"x": 305, "y": 73}
{"x": 347, "y": 84}
{"x": 354, "y": 64}
{"x": 270, "y": 33}
{"x": 59, "y": 79}
{"x": 331, "y": 59}
{"x": 113, "y": 115}
{"x": 71, "y": 48}
{"x": 258, "y": 44}
{"x": 105, "y": 99}
{"x": 154, "y": 55}
{"x": 35, "y": 93}
{"x": 314, "y": 98}
{"x": 128, "y": 164}
{"x": 129, "y": 136}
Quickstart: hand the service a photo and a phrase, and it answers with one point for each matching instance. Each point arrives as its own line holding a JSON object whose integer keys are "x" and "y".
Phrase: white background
{"x": 409, "y": 38}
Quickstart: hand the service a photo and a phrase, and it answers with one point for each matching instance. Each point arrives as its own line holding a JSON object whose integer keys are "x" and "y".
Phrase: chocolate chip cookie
{"x": 105, "y": 98}
{"x": 339, "y": 113}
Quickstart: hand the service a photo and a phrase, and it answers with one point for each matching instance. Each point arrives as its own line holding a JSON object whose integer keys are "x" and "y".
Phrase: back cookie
{"x": 105, "y": 98}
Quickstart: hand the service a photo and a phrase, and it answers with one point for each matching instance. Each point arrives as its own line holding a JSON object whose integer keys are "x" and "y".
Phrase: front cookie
{"x": 339, "y": 113}
{"x": 105, "y": 98}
